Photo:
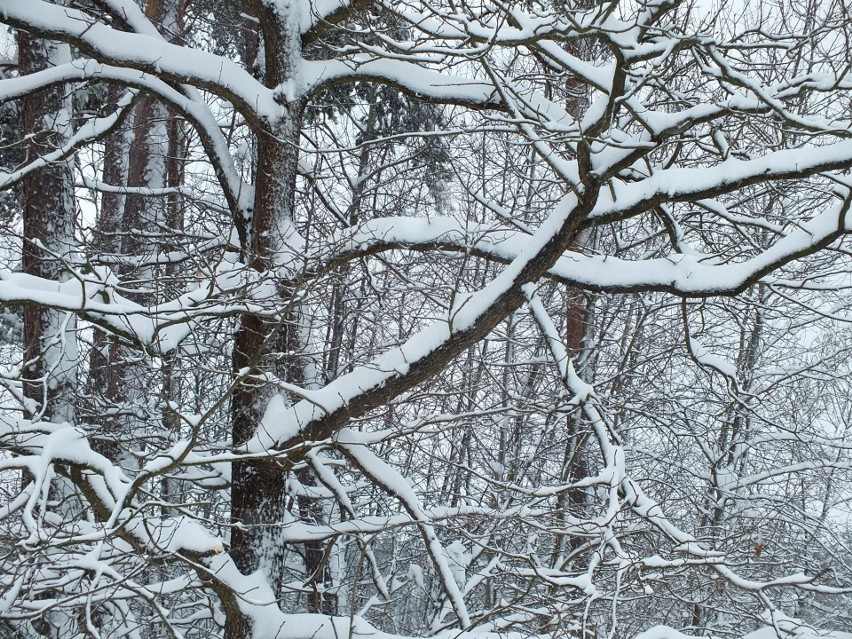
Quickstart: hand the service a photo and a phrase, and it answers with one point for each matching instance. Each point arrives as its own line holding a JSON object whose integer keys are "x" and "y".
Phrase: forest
{"x": 390, "y": 319}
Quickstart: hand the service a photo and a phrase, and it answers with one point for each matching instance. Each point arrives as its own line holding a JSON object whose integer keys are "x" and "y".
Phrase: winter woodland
{"x": 469, "y": 319}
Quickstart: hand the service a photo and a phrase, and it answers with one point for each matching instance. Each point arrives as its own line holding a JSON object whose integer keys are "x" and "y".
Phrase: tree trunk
{"x": 50, "y": 342}
{"x": 103, "y": 381}
{"x": 258, "y": 499}
{"x": 50, "y": 337}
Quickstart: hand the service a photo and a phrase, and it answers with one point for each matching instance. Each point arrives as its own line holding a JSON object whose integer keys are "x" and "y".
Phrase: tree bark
{"x": 258, "y": 488}
{"x": 50, "y": 346}
{"x": 145, "y": 153}
{"x": 50, "y": 336}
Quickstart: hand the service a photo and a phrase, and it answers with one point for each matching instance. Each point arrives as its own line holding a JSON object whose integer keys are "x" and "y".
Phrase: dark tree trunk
{"x": 50, "y": 351}
{"x": 103, "y": 380}
{"x": 145, "y": 152}
{"x": 258, "y": 488}
{"x": 50, "y": 339}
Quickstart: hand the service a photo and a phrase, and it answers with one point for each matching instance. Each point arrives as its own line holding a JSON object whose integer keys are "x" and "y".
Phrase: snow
{"x": 152, "y": 53}
{"x": 704, "y": 357}
{"x": 684, "y": 274}
{"x": 446, "y": 561}
{"x": 145, "y": 61}
{"x": 279, "y": 426}
{"x": 318, "y": 11}
{"x": 680, "y": 183}
{"x": 166, "y": 460}
{"x": 177, "y": 534}
{"x": 458, "y": 558}
{"x": 410, "y": 76}
{"x": 794, "y": 630}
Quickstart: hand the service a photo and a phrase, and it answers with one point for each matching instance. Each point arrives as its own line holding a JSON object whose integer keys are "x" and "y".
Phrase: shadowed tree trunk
{"x": 144, "y": 153}
{"x": 103, "y": 381}
{"x": 50, "y": 337}
{"x": 258, "y": 493}
{"x": 50, "y": 350}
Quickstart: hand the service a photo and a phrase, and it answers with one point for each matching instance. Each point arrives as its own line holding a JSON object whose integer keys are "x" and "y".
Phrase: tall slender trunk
{"x": 258, "y": 499}
{"x": 317, "y": 554}
{"x": 575, "y": 462}
{"x": 50, "y": 346}
{"x": 50, "y": 339}
{"x": 731, "y": 446}
{"x": 141, "y": 229}
{"x": 103, "y": 382}
{"x": 171, "y": 376}
{"x": 145, "y": 153}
